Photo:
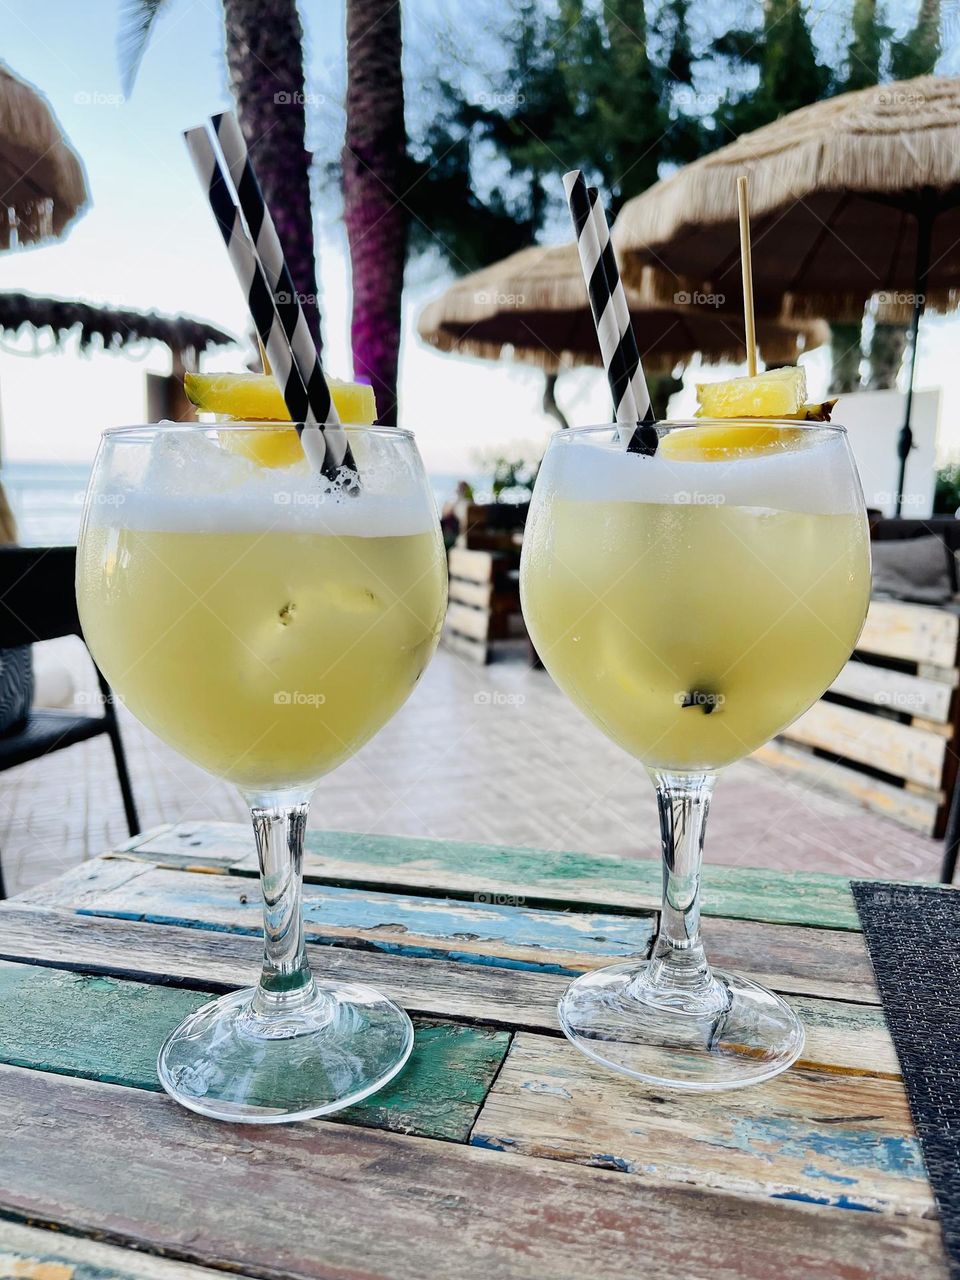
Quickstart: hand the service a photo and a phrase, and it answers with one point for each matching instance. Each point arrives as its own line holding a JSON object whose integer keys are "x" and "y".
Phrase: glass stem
{"x": 286, "y": 983}
{"x": 678, "y": 973}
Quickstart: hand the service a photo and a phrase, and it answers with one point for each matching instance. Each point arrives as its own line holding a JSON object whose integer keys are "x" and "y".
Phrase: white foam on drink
{"x": 186, "y": 482}
{"x": 815, "y": 476}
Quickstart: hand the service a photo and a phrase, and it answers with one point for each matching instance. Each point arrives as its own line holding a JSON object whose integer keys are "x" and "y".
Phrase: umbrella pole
{"x": 925, "y": 216}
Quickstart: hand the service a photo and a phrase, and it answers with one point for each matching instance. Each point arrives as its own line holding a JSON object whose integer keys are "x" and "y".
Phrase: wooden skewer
{"x": 746, "y": 265}
{"x": 264, "y": 359}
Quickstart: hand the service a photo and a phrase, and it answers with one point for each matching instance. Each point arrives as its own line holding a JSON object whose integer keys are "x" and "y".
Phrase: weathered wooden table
{"x": 499, "y": 1151}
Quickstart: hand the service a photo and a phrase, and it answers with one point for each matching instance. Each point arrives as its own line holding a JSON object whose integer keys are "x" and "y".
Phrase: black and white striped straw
{"x": 303, "y": 386}
{"x": 611, "y": 316}
{"x": 263, "y": 232}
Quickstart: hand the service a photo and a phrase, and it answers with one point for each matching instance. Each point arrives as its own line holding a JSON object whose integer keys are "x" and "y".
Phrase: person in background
{"x": 449, "y": 520}
{"x": 16, "y": 665}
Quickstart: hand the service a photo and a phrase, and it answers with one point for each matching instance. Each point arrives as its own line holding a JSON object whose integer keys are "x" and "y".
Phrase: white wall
{"x": 873, "y": 420}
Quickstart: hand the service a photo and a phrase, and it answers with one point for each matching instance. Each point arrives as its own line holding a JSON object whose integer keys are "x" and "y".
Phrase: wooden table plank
{"x": 28, "y": 1253}
{"x": 841, "y": 1036}
{"x": 81, "y": 884}
{"x": 831, "y": 963}
{"x": 327, "y": 1200}
{"x": 443, "y": 866}
{"x": 479, "y": 932}
{"x": 106, "y": 1029}
{"x": 810, "y": 1136}
{"x": 223, "y": 961}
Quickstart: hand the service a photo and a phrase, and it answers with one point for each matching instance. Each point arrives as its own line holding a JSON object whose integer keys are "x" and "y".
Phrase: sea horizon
{"x": 46, "y": 496}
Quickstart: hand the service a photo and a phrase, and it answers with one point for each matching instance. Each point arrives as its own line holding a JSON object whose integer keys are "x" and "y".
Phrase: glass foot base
{"x": 754, "y": 1034}
{"x": 227, "y": 1062}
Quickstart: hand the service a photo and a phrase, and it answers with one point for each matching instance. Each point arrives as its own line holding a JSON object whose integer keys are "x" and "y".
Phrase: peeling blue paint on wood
{"x": 773, "y": 1137}
{"x": 835, "y": 1202}
{"x": 491, "y": 1144}
{"x": 499, "y": 934}
{"x": 541, "y": 1086}
{"x": 811, "y": 1171}
{"x": 840, "y": 1139}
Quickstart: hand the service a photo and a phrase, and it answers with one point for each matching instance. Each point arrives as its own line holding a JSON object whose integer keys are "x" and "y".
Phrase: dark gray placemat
{"x": 913, "y": 936}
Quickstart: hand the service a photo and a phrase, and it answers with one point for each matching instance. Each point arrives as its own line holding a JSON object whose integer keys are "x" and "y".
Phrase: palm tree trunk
{"x": 886, "y": 356}
{"x": 373, "y": 166}
{"x": 846, "y": 354}
{"x": 265, "y": 61}
{"x": 550, "y": 406}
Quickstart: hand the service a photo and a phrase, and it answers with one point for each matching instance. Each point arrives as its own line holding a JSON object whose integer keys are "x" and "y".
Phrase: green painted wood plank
{"x": 102, "y": 1028}
{"x": 338, "y": 857}
{"x": 320, "y": 1200}
{"x": 488, "y": 933}
{"x": 832, "y": 1139}
{"x": 841, "y": 1036}
{"x": 30, "y": 1253}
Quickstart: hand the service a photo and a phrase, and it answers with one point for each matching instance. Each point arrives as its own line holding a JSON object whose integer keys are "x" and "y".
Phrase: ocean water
{"x": 47, "y": 498}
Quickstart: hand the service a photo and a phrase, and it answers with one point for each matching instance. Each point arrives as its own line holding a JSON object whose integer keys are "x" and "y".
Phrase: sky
{"x": 149, "y": 242}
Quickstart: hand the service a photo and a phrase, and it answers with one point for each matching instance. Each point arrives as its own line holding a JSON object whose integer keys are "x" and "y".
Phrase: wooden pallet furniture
{"x": 886, "y": 732}
{"x": 491, "y": 526}
{"x": 484, "y": 603}
{"x": 500, "y": 1152}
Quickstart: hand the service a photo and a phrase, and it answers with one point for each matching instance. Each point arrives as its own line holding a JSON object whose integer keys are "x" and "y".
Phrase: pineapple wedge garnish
{"x": 781, "y": 393}
{"x": 255, "y": 397}
{"x": 723, "y": 444}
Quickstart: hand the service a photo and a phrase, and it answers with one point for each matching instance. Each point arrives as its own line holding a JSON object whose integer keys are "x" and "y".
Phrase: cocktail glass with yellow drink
{"x": 692, "y": 604}
{"x": 266, "y": 624}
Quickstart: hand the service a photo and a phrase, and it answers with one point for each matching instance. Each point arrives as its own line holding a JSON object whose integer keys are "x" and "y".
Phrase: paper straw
{"x": 611, "y": 316}
{"x": 263, "y": 232}
{"x": 324, "y": 444}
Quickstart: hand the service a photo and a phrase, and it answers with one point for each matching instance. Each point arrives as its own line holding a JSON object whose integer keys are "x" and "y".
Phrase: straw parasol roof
{"x": 837, "y": 193}
{"x": 42, "y": 185}
{"x": 533, "y": 307}
{"x": 112, "y": 328}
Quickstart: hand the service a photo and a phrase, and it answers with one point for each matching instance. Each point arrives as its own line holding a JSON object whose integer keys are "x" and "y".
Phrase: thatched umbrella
{"x": 118, "y": 329}
{"x": 533, "y": 307}
{"x": 111, "y": 328}
{"x": 42, "y": 186}
{"x": 852, "y": 197}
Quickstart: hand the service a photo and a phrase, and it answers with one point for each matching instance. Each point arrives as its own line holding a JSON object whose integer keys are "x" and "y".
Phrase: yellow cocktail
{"x": 266, "y": 622}
{"x": 692, "y": 602}
{"x": 691, "y": 633}
{"x": 267, "y": 656}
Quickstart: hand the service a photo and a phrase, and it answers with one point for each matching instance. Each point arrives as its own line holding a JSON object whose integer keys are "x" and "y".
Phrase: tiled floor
{"x": 491, "y": 754}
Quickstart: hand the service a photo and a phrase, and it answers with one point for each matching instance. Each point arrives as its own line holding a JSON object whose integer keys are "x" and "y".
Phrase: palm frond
{"x": 137, "y": 18}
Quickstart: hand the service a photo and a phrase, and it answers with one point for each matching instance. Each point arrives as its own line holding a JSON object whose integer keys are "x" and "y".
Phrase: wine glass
{"x": 265, "y": 623}
{"x": 692, "y": 604}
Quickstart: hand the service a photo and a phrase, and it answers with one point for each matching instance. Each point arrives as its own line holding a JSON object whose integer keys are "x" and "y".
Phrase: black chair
{"x": 38, "y": 602}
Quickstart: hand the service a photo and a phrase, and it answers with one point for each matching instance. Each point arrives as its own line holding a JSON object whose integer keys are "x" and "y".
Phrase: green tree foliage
{"x": 917, "y": 53}
{"x": 789, "y": 75}
{"x": 616, "y": 89}
{"x": 868, "y": 39}
{"x": 578, "y": 88}
{"x": 946, "y": 497}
